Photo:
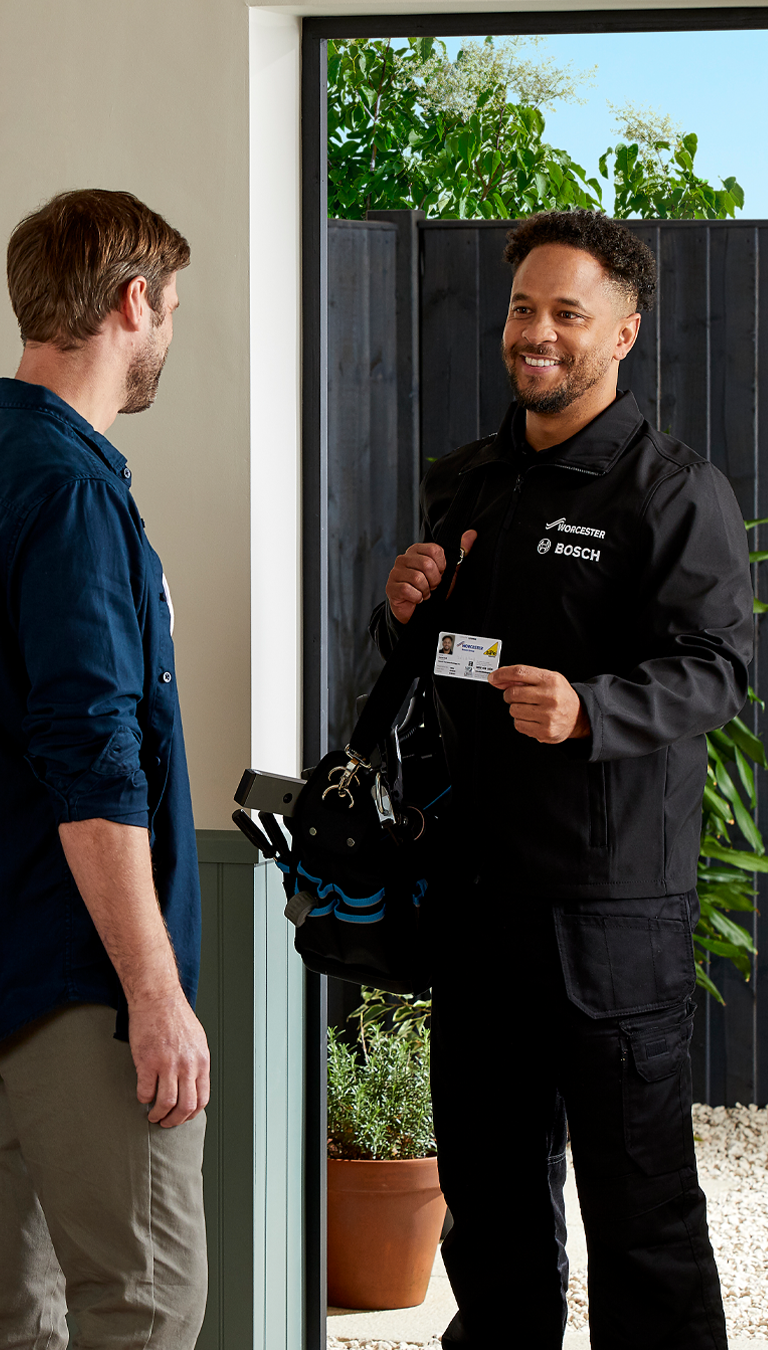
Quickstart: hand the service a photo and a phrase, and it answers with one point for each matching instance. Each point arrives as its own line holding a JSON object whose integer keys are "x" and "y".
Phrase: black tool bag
{"x": 371, "y": 830}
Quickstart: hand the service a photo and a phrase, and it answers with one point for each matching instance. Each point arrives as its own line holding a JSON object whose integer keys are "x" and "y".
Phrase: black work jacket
{"x": 618, "y": 558}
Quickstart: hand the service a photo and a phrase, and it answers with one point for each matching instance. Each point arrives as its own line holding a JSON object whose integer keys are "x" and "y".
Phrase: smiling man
{"x": 610, "y": 562}
{"x": 104, "y": 1068}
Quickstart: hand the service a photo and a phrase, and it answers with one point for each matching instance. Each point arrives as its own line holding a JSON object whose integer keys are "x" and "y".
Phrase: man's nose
{"x": 539, "y": 329}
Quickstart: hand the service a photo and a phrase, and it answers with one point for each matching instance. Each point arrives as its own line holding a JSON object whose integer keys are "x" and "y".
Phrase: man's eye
{"x": 569, "y": 314}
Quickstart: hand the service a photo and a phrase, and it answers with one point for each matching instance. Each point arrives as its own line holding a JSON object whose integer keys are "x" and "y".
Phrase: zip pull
{"x": 516, "y": 490}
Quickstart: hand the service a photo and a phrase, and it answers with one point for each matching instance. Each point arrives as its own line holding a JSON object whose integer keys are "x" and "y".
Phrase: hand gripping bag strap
{"x": 414, "y": 646}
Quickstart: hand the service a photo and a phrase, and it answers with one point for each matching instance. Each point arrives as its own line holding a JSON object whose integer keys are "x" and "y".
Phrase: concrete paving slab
{"x": 419, "y": 1325}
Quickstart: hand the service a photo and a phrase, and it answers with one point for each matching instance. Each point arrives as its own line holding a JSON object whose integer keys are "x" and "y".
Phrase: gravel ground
{"x": 335, "y": 1344}
{"x": 732, "y": 1152}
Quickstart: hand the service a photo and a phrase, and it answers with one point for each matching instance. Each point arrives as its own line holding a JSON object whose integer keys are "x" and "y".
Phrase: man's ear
{"x": 133, "y": 303}
{"x": 627, "y": 337}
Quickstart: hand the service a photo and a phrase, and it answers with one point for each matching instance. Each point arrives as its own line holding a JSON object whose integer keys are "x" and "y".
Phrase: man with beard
{"x": 610, "y": 562}
{"x": 104, "y": 1068}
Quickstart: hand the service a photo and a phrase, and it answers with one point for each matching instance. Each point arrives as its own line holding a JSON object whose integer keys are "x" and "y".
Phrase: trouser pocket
{"x": 630, "y": 956}
{"x": 656, "y": 1090}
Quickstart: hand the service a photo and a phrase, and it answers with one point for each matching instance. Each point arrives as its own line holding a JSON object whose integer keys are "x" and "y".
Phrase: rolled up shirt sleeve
{"x": 691, "y": 620}
{"x": 78, "y": 585}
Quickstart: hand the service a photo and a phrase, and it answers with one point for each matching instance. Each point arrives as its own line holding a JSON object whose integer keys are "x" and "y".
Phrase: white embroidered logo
{"x": 544, "y": 545}
{"x": 564, "y": 528}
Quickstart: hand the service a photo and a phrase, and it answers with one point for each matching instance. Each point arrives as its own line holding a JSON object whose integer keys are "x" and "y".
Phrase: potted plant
{"x": 385, "y": 1207}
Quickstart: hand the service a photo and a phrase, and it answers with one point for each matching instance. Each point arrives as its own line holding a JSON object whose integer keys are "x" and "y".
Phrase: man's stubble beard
{"x": 579, "y": 377}
{"x": 143, "y": 375}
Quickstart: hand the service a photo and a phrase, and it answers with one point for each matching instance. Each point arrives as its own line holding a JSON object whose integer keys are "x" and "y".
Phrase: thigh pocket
{"x": 656, "y": 1090}
{"x": 618, "y": 964}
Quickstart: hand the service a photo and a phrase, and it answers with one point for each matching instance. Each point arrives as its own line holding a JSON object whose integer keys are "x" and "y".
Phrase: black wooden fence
{"x": 417, "y": 310}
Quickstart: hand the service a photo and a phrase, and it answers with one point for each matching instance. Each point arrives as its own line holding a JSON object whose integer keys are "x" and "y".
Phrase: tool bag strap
{"x": 416, "y": 643}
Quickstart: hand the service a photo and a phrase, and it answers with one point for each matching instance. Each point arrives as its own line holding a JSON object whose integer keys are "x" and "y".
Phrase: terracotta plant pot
{"x": 384, "y": 1221}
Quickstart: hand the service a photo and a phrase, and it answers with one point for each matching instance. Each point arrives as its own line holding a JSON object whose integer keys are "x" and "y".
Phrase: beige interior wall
{"x": 152, "y": 96}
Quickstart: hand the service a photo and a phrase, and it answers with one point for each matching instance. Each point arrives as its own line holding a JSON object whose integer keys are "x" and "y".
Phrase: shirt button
{"x": 126, "y": 473}
{"x": 167, "y": 677}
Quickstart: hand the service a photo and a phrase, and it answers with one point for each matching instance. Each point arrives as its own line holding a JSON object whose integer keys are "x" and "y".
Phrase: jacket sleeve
{"x": 693, "y": 617}
{"x": 77, "y": 585}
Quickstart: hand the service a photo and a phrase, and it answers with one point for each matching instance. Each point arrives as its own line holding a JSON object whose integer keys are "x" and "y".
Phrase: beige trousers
{"x": 101, "y": 1213}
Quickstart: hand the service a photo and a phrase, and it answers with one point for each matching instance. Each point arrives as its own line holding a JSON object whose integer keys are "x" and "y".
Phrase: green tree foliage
{"x": 464, "y": 139}
{"x": 409, "y": 129}
{"x": 654, "y": 175}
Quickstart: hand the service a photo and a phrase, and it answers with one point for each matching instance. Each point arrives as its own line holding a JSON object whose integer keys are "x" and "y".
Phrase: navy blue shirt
{"x": 89, "y": 715}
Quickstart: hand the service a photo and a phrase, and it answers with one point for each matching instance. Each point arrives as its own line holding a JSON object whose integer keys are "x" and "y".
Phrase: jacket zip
{"x": 492, "y": 589}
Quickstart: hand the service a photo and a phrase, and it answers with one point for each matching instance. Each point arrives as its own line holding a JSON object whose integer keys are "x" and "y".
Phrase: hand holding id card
{"x": 466, "y": 657}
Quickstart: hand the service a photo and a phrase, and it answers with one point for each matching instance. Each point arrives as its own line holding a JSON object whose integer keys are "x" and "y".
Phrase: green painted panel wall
{"x": 251, "y": 1004}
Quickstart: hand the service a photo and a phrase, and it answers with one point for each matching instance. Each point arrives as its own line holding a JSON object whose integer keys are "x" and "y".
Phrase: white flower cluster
{"x": 644, "y": 126}
{"x": 454, "y": 87}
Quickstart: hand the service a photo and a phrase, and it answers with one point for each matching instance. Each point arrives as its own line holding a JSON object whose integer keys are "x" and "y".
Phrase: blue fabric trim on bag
{"x": 420, "y": 892}
{"x": 359, "y": 901}
{"x": 329, "y": 888}
{"x": 436, "y": 799}
{"x": 361, "y": 918}
{"x": 316, "y": 913}
{"x": 284, "y": 867}
{"x": 308, "y": 875}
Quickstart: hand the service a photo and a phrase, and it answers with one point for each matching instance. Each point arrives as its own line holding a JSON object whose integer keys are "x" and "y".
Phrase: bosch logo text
{"x": 576, "y": 551}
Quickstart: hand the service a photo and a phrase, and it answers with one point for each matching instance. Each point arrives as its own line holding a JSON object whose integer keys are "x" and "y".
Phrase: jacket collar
{"x": 596, "y": 447}
{"x": 36, "y": 398}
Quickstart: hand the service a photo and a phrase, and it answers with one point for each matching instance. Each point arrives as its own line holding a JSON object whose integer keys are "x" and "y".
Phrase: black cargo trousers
{"x": 581, "y": 1008}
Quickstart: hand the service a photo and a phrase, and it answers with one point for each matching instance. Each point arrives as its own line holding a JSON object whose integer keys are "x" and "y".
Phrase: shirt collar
{"x": 595, "y": 447}
{"x": 36, "y": 398}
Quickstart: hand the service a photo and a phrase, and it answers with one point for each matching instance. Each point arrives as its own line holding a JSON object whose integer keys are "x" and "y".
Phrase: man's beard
{"x": 143, "y": 377}
{"x": 578, "y": 377}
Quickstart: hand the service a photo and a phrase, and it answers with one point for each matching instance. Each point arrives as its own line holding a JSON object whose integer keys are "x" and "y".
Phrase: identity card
{"x": 466, "y": 657}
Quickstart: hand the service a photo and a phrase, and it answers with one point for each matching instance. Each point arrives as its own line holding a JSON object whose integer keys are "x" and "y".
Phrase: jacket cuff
{"x": 588, "y": 748}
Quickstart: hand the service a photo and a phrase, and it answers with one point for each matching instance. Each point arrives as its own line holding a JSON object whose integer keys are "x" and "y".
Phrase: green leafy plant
{"x": 726, "y": 872}
{"x": 410, "y": 129}
{"x": 379, "y": 1104}
{"x": 401, "y": 1015}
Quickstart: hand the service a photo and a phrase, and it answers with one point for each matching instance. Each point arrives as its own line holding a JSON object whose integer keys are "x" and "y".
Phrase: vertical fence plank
{"x": 734, "y": 336}
{"x": 684, "y": 335}
{"x": 362, "y": 453}
{"x": 407, "y": 343}
{"x": 450, "y": 366}
{"x": 494, "y": 283}
{"x": 640, "y": 370}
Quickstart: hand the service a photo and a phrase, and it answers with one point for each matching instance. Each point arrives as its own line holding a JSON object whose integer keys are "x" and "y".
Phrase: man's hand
{"x": 112, "y": 868}
{"x": 417, "y": 573}
{"x": 543, "y": 704}
{"x": 170, "y": 1052}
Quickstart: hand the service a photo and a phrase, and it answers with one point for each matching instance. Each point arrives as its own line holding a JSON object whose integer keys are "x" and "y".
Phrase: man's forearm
{"x": 112, "y": 868}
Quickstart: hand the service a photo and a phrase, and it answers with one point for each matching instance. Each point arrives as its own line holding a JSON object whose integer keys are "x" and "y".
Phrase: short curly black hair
{"x": 629, "y": 262}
